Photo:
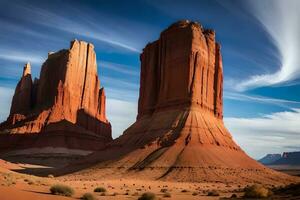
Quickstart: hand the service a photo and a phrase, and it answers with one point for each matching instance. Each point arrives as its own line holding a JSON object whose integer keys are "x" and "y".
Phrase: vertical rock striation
{"x": 183, "y": 67}
{"x": 66, "y": 98}
{"x": 183, "y": 72}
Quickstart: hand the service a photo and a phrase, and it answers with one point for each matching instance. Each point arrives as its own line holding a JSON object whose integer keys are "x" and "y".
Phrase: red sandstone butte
{"x": 179, "y": 133}
{"x": 66, "y": 104}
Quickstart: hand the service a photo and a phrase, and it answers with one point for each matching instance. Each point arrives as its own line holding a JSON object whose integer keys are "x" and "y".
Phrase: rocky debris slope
{"x": 179, "y": 133}
{"x": 66, "y": 104}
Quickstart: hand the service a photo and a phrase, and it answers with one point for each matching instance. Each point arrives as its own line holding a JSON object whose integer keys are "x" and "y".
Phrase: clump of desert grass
{"x": 291, "y": 189}
{"x": 88, "y": 196}
{"x": 163, "y": 190}
{"x": 213, "y": 193}
{"x": 147, "y": 196}
{"x": 50, "y": 176}
{"x": 8, "y": 180}
{"x": 62, "y": 190}
{"x": 257, "y": 191}
{"x": 167, "y": 195}
{"x": 195, "y": 193}
{"x": 100, "y": 189}
{"x": 135, "y": 194}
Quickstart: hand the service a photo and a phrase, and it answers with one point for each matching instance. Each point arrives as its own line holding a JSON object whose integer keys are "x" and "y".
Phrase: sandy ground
{"x": 17, "y": 186}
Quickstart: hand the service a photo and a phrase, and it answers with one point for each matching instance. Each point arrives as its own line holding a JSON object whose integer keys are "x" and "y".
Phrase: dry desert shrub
{"x": 163, "y": 190}
{"x": 195, "y": 193}
{"x": 147, "y": 196}
{"x": 103, "y": 194}
{"x": 233, "y": 196}
{"x": 62, "y": 190}
{"x": 213, "y": 193}
{"x": 135, "y": 194}
{"x": 292, "y": 189}
{"x": 50, "y": 176}
{"x": 257, "y": 191}
{"x": 99, "y": 189}
{"x": 167, "y": 195}
{"x": 88, "y": 196}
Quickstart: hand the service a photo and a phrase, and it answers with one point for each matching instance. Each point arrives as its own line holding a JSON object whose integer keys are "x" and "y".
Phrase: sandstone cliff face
{"x": 183, "y": 71}
{"x": 183, "y": 67}
{"x": 66, "y": 98}
{"x": 179, "y": 133}
{"x": 21, "y": 102}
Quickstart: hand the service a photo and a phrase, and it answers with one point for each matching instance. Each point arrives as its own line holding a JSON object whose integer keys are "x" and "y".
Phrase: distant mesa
{"x": 286, "y": 158}
{"x": 65, "y": 107}
{"x": 269, "y": 158}
{"x": 179, "y": 133}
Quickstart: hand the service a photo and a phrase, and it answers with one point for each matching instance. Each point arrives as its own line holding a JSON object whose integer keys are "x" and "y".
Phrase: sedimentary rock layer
{"x": 66, "y": 97}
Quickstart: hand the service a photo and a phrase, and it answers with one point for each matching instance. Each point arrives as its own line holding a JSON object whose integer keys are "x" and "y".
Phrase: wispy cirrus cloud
{"x": 124, "y": 69}
{"x": 272, "y": 133}
{"x": 20, "y": 56}
{"x": 112, "y": 30}
{"x": 261, "y": 99}
{"x": 118, "y": 83}
{"x": 280, "y": 20}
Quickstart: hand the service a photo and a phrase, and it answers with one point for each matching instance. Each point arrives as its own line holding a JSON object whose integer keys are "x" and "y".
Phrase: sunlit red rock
{"x": 179, "y": 133}
{"x": 66, "y": 99}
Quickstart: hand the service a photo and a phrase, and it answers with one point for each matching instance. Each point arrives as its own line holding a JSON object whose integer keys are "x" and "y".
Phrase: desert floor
{"x": 18, "y": 186}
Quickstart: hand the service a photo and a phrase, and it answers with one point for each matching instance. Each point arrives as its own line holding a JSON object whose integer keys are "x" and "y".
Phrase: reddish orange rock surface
{"x": 66, "y": 99}
{"x": 179, "y": 133}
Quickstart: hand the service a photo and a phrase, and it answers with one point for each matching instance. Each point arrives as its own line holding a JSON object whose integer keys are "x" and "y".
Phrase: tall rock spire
{"x": 68, "y": 91}
{"x": 27, "y": 69}
{"x": 21, "y": 102}
{"x": 179, "y": 133}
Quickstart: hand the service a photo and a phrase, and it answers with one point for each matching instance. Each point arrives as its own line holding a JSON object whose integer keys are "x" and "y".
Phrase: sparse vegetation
{"x": 233, "y": 196}
{"x": 184, "y": 190}
{"x": 292, "y": 189}
{"x": 213, "y": 193}
{"x": 30, "y": 182}
{"x": 99, "y": 189}
{"x": 62, "y": 190}
{"x": 103, "y": 194}
{"x": 88, "y": 196}
{"x": 167, "y": 195}
{"x": 163, "y": 190}
{"x": 257, "y": 191}
{"x": 50, "y": 176}
{"x": 147, "y": 196}
{"x": 135, "y": 194}
{"x": 195, "y": 193}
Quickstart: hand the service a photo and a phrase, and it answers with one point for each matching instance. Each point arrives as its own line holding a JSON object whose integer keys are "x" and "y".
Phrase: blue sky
{"x": 260, "y": 46}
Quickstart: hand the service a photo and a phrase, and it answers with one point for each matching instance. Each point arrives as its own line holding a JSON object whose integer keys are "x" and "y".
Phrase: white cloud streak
{"x": 261, "y": 99}
{"x": 272, "y": 133}
{"x": 280, "y": 19}
{"x": 20, "y": 56}
{"x": 125, "y": 69}
{"x": 116, "y": 32}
